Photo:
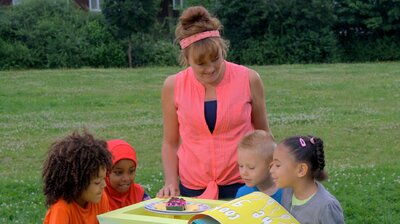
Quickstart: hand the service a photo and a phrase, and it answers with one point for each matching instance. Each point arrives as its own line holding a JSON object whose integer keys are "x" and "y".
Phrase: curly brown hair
{"x": 70, "y": 165}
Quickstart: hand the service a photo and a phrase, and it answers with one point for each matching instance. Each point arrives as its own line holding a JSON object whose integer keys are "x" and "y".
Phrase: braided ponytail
{"x": 319, "y": 173}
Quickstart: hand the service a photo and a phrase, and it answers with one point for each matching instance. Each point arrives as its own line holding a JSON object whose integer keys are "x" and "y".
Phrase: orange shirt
{"x": 118, "y": 200}
{"x": 63, "y": 213}
{"x": 206, "y": 159}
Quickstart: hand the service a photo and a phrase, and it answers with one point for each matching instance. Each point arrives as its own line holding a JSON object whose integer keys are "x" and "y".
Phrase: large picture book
{"x": 256, "y": 207}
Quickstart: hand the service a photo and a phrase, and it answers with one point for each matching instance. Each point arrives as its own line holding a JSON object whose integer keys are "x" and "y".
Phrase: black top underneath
{"x": 210, "y": 114}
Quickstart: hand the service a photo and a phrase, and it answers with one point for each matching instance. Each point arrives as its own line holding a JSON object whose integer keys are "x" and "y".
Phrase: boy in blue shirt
{"x": 255, "y": 154}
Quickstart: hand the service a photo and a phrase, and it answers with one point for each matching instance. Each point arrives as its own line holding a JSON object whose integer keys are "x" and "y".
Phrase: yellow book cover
{"x": 256, "y": 207}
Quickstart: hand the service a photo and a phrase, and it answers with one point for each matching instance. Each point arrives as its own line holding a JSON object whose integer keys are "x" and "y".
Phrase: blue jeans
{"x": 224, "y": 192}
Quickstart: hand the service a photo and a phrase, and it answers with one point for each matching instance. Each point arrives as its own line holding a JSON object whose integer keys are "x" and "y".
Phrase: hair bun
{"x": 194, "y": 15}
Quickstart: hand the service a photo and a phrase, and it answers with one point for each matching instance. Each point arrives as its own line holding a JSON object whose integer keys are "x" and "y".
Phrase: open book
{"x": 256, "y": 207}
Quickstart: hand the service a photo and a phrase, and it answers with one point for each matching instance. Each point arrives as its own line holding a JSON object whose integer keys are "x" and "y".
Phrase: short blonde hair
{"x": 260, "y": 142}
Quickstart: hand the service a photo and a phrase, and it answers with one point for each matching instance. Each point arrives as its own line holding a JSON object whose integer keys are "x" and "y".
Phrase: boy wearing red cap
{"x": 121, "y": 188}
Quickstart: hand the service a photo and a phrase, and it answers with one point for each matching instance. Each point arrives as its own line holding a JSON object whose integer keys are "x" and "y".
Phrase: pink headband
{"x": 185, "y": 42}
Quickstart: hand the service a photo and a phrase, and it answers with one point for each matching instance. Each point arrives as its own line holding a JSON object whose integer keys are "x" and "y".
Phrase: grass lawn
{"x": 354, "y": 108}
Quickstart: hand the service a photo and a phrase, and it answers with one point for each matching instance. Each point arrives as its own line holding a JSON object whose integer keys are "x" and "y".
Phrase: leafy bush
{"x": 14, "y": 55}
{"x": 54, "y": 34}
{"x": 279, "y": 31}
{"x": 242, "y": 21}
{"x": 306, "y": 47}
{"x": 128, "y": 18}
{"x": 102, "y": 49}
{"x": 362, "y": 50}
{"x": 368, "y": 30}
{"x": 147, "y": 50}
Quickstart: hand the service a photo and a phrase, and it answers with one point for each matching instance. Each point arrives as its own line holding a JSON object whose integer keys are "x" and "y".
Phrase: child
{"x": 255, "y": 153}
{"x": 74, "y": 179}
{"x": 121, "y": 188}
{"x": 298, "y": 165}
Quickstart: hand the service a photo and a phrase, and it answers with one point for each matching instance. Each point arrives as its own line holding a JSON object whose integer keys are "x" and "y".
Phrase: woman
{"x": 207, "y": 108}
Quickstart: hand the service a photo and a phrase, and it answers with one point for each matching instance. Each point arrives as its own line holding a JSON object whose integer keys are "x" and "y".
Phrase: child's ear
{"x": 302, "y": 169}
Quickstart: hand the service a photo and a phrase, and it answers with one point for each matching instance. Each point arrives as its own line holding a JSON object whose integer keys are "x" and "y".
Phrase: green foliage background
{"x": 279, "y": 32}
{"x": 54, "y": 34}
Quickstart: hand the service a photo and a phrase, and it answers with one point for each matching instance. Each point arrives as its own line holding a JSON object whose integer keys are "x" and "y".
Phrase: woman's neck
{"x": 305, "y": 189}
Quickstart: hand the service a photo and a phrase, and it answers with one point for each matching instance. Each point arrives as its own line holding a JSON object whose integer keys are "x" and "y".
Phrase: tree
{"x": 208, "y": 4}
{"x": 242, "y": 20}
{"x": 368, "y": 30}
{"x": 128, "y": 19}
{"x": 54, "y": 34}
{"x": 276, "y": 31}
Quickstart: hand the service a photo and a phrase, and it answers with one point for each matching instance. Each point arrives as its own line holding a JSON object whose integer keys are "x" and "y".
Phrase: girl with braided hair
{"x": 74, "y": 179}
{"x": 298, "y": 166}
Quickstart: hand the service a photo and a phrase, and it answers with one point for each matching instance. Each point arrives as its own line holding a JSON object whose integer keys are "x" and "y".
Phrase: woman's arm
{"x": 170, "y": 141}
{"x": 259, "y": 117}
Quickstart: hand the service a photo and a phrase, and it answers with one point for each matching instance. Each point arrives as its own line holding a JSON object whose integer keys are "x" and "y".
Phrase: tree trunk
{"x": 170, "y": 18}
{"x": 130, "y": 52}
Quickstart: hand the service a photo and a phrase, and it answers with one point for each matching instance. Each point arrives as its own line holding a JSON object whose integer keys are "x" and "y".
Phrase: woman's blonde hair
{"x": 195, "y": 20}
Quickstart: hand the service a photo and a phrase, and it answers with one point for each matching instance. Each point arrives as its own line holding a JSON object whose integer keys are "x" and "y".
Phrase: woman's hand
{"x": 169, "y": 190}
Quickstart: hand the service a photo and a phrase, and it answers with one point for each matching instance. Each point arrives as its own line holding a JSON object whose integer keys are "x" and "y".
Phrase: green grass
{"x": 355, "y": 108}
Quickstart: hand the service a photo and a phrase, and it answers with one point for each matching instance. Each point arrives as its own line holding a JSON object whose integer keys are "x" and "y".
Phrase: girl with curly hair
{"x": 74, "y": 179}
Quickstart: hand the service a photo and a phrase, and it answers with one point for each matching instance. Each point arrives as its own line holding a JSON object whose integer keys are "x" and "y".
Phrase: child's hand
{"x": 167, "y": 191}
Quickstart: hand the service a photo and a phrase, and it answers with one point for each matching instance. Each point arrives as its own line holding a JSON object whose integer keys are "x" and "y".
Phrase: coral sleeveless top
{"x": 207, "y": 159}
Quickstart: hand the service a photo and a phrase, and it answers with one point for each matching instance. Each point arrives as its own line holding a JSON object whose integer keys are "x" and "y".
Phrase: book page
{"x": 255, "y": 207}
